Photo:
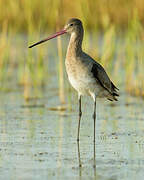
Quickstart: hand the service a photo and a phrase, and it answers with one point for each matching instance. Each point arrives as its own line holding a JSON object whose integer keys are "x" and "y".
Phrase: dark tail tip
{"x": 114, "y": 87}
{"x": 115, "y": 94}
{"x": 115, "y": 99}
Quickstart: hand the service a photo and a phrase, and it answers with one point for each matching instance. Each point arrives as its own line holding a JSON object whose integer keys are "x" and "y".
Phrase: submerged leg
{"x": 94, "y": 117}
{"x": 80, "y": 114}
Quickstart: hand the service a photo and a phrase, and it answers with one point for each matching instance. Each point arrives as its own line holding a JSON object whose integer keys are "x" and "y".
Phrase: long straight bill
{"x": 50, "y": 37}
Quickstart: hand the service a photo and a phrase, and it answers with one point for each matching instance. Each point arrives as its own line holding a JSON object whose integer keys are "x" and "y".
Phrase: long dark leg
{"x": 94, "y": 117}
{"x": 80, "y": 114}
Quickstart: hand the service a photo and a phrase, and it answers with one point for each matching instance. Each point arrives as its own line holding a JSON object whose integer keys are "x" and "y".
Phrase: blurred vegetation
{"x": 114, "y": 32}
{"x": 19, "y": 14}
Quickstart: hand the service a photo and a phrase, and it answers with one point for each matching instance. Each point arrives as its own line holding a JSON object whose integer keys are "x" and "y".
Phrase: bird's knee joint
{"x": 94, "y": 115}
{"x": 77, "y": 139}
{"x": 80, "y": 113}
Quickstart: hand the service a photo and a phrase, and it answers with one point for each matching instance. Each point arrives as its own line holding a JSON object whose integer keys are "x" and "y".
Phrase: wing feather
{"x": 103, "y": 79}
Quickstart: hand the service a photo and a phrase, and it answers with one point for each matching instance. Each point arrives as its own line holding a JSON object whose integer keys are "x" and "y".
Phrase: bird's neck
{"x": 75, "y": 44}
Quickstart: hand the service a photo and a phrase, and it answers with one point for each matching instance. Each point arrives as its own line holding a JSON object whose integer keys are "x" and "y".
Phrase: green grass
{"x": 24, "y": 14}
{"x": 121, "y": 50}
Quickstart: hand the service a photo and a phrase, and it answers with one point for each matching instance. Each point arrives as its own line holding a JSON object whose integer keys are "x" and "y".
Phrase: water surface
{"x": 38, "y": 137}
{"x": 38, "y": 143}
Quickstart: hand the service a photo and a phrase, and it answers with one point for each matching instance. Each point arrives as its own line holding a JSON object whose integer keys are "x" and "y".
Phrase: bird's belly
{"x": 87, "y": 86}
{"x": 82, "y": 80}
{"x": 80, "y": 85}
{"x": 78, "y": 77}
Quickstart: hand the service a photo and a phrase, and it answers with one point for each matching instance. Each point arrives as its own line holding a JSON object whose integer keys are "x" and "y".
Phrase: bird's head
{"x": 73, "y": 25}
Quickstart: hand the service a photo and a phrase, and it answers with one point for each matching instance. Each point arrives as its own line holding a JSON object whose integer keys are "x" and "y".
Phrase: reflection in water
{"x": 79, "y": 159}
{"x": 94, "y": 157}
{"x": 37, "y": 143}
{"x": 80, "y": 163}
{"x": 60, "y": 142}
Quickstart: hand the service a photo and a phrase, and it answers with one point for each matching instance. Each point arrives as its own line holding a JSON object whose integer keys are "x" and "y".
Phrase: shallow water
{"x": 38, "y": 143}
{"x": 38, "y": 138}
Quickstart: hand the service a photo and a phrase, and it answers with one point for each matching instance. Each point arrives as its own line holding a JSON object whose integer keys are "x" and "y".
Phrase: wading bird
{"x": 86, "y": 75}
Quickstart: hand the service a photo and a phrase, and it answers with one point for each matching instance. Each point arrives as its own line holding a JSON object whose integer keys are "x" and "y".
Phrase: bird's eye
{"x": 71, "y": 24}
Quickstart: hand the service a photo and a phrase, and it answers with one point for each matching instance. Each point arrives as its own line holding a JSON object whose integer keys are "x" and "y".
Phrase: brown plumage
{"x": 103, "y": 79}
{"x": 86, "y": 75}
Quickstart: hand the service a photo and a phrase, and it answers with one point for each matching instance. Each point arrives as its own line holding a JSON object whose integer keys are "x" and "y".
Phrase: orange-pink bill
{"x": 50, "y": 37}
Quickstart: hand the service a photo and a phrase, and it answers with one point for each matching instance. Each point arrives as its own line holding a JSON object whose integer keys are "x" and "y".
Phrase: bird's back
{"x": 99, "y": 73}
{"x": 88, "y": 76}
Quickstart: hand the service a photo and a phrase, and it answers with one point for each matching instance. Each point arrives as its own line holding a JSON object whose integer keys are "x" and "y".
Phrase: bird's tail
{"x": 114, "y": 93}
